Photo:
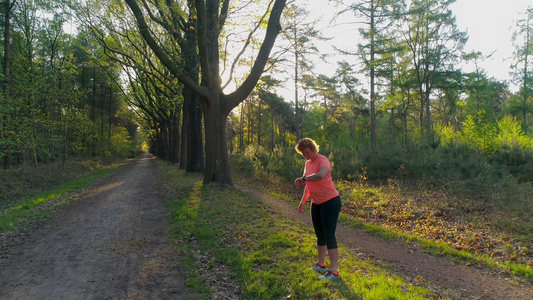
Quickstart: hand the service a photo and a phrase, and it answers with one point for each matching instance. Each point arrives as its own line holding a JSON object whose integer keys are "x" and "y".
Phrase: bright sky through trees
{"x": 489, "y": 24}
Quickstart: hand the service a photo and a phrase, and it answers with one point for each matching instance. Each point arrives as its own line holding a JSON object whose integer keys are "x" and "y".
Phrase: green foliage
{"x": 456, "y": 166}
{"x": 343, "y": 153}
{"x": 123, "y": 146}
{"x": 61, "y": 96}
{"x": 516, "y": 161}
{"x": 479, "y": 132}
{"x": 282, "y": 162}
{"x": 448, "y": 136}
{"x": 503, "y": 145}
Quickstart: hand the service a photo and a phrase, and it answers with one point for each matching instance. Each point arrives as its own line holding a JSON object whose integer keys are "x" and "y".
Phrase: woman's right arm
{"x": 305, "y": 197}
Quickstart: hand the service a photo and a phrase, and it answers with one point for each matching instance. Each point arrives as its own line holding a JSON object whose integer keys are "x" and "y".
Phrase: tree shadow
{"x": 346, "y": 292}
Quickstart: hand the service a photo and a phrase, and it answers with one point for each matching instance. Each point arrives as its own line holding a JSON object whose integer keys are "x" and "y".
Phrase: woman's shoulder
{"x": 322, "y": 158}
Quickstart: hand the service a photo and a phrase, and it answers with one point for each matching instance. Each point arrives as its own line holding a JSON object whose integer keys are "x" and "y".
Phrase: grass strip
{"x": 441, "y": 249}
{"x": 522, "y": 271}
{"x": 11, "y": 217}
{"x": 268, "y": 256}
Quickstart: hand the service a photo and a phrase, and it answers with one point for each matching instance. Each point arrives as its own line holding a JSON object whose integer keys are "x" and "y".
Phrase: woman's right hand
{"x": 301, "y": 206}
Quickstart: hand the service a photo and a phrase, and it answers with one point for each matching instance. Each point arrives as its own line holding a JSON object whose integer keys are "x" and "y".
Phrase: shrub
{"x": 122, "y": 144}
{"x": 282, "y": 161}
{"x": 516, "y": 161}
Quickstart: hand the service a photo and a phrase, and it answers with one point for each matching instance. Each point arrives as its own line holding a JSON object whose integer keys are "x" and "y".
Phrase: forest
{"x": 81, "y": 79}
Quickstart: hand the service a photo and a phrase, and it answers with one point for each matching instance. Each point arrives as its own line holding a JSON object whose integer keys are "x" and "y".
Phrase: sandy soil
{"x": 111, "y": 243}
{"x": 442, "y": 276}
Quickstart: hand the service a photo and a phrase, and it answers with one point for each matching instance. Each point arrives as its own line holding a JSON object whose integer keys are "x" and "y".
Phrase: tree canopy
{"x": 198, "y": 80}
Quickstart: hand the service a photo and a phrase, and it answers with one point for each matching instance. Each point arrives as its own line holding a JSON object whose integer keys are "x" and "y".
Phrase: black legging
{"x": 325, "y": 218}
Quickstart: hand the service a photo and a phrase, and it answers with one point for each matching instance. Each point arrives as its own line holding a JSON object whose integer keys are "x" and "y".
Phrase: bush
{"x": 282, "y": 162}
{"x": 122, "y": 145}
{"x": 456, "y": 166}
{"x": 515, "y": 161}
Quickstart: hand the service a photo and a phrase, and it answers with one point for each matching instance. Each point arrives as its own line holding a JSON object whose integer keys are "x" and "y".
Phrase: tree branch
{"x": 160, "y": 53}
{"x": 273, "y": 29}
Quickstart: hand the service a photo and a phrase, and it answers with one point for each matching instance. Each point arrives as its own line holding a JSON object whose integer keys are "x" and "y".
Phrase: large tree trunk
{"x": 195, "y": 143}
{"x": 217, "y": 166}
{"x": 195, "y": 149}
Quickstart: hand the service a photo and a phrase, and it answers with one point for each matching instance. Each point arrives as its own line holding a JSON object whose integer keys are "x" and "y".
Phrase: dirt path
{"x": 111, "y": 243}
{"x": 445, "y": 277}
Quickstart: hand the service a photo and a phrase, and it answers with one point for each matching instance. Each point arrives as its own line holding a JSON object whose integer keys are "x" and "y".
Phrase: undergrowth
{"x": 20, "y": 183}
{"x": 24, "y": 191}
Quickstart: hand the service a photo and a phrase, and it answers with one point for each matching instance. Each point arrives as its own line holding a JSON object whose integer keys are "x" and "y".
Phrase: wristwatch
{"x": 303, "y": 178}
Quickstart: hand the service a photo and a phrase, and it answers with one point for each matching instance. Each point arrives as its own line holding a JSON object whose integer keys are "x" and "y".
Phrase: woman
{"x": 325, "y": 207}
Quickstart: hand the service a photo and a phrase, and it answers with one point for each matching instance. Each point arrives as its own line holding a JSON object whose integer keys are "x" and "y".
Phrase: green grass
{"x": 13, "y": 216}
{"x": 435, "y": 248}
{"x": 268, "y": 255}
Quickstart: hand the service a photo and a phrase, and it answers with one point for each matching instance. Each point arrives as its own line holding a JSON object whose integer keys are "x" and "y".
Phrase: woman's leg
{"x": 320, "y": 238}
{"x": 333, "y": 259}
{"x": 329, "y": 215}
{"x": 322, "y": 254}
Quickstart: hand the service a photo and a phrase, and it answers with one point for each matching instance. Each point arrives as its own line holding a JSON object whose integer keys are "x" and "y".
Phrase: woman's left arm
{"x": 322, "y": 172}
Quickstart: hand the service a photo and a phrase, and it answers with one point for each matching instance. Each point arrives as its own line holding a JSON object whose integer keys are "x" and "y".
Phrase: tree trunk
{"x": 325, "y": 111}
{"x": 183, "y": 144}
{"x": 392, "y": 128}
{"x": 7, "y": 79}
{"x": 525, "y": 94}
{"x": 372, "y": 79}
{"x": 175, "y": 138}
{"x": 428, "y": 109}
{"x": 216, "y": 152}
{"x": 195, "y": 149}
{"x": 195, "y": 143}
{"x": 241, "y": 128}
{"x": 296, "y": 79}
{"x": 102, "y": 110}
{"x": 272, "y": 140}
{"x": 250, "y": 124}
{"x": 259, "y": 123}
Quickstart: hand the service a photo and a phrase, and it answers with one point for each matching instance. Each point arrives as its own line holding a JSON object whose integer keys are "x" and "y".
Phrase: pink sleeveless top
{"x": 324, "y": 189}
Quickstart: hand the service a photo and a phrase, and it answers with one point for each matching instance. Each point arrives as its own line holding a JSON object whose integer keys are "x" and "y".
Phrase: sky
{"x": 489, "y": 24}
